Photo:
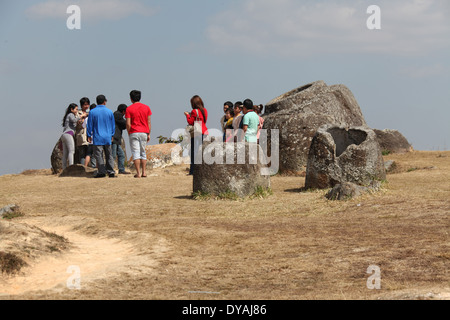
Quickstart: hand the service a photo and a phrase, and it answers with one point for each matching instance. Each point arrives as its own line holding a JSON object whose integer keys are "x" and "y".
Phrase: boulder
{"x": 9, "y": 209}
{"x": 300, "y": 112}
{"x": 56, "y": 158}
{"x": 392, "y": 141}
{"x": 348, "y": 190}
{"x": 390, "y": 166}
{"x": 161, "y": 156}
{"x": 77, "y": 170}
{"x": 339, "y": 154}
{"x": 345, "y": 191}
{"x": 238, "y": 168}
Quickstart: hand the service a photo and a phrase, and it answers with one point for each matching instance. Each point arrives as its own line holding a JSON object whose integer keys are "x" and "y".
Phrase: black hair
{"x": 248, "y": 104}
{"x": 229, "y": 104}
{"x": 231, "y": 111}
{"x": 238, "y": 104}
{"x": 101, "y": 99}
{"x": 260, "y": 108}
{"x": 68, "y": 110}
{"x": 135, "y": 96}
{"x": 84, "y": 101}
{"x": 122, "y": 107}
{"x": 92, "y": 107}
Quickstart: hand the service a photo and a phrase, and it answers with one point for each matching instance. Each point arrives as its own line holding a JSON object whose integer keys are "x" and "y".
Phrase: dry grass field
{"x": 148, "y": 239}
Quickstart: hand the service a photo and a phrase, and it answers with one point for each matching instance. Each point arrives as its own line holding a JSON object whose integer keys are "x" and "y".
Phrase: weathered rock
{"x": 56, "y": 158}
{"x": 231, "y": 167}
{"x": 390, "y": 166}
{"x": 9, "y": 209}
{"x": 392, "y": 141}
{"x": 345, "y": 191}
{"x": 77, "y": 170}
{"x": 295, "y": 97}
{"x": 299, "y": 113}
{"x": 349, "y": 190}
{"x": 340, "y": 154}
{"x": 161, "y": 156}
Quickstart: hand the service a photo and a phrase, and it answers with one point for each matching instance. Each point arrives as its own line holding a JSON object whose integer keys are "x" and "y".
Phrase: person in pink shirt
{"x": 139, "y": 126}
{"x": 258, "y": 110}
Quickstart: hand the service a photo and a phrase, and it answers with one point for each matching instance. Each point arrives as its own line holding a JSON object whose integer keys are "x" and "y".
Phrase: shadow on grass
{"x": 184, "y": 197}
{"x": 297, "y": 190}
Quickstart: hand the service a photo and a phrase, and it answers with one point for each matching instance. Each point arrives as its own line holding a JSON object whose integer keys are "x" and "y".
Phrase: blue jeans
{"x": 117, "y": 151}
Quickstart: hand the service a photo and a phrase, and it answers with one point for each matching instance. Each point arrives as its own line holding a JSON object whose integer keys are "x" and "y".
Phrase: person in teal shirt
{"x": 250, "y": 122}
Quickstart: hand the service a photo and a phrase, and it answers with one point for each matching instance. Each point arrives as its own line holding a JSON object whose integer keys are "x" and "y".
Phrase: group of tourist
{"x": 241, "y": 122}
{"x": 93, "y": 134}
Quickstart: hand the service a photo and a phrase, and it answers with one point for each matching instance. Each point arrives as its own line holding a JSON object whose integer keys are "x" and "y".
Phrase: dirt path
{"x": 88, "y": 259}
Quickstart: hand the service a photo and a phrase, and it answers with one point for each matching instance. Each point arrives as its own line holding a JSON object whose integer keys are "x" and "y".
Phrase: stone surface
{"x": 390, "y": 166}
{"x": 77, "y": 170}
{"x": 392, "y": 141}
{"x": 230, "y": 167}
{"x": 299, "y": 113}
{"x": 339, "y": 154}
{"x": 161, "y": 156}
{"x": 349, "y": 190}
{"x": 11, "y": 208}
{"x": 345, "y": 191}
{"x": 56, "y": 158}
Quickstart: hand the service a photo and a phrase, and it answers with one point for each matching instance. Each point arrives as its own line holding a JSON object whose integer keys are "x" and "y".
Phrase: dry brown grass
{"x": 21, "y": 244}
{"x": 10, "y": 263}
{"x": 291, "y": 245}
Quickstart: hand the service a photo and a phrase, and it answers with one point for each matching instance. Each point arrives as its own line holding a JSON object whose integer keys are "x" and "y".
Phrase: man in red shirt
{"x": 139, "y": 126}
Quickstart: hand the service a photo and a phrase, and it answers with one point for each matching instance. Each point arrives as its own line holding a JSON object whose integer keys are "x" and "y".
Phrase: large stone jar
{"x": 339, "y": 154}
{"x": 239, "y": 168}
{"x": 298, "y": 114}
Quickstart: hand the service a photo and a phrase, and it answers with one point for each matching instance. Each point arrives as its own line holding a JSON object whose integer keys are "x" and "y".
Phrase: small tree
{"x": 163, "y": 140}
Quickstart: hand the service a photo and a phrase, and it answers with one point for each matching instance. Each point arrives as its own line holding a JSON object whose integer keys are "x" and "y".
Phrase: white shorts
{"x": 138, "y": 141}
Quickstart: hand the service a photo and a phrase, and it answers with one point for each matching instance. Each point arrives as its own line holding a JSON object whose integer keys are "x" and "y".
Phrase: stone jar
{"x": 230, "y": 167}
{"x": 339, "y": 154}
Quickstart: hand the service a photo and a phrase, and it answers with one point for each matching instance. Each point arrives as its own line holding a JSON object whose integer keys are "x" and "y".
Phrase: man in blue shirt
{"x": 101, "y": 127}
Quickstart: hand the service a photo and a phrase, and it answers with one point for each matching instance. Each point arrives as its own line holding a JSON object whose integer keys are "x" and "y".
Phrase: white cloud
{"x": 303, "y": 28}
{"x": 91, "y": 9}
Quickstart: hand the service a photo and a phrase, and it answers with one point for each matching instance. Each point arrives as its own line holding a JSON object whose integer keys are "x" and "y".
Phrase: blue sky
{"x": 220, "y": 50}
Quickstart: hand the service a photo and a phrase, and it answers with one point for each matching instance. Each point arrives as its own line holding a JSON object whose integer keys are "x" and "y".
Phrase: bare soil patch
{"x": 155, "y": 242}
